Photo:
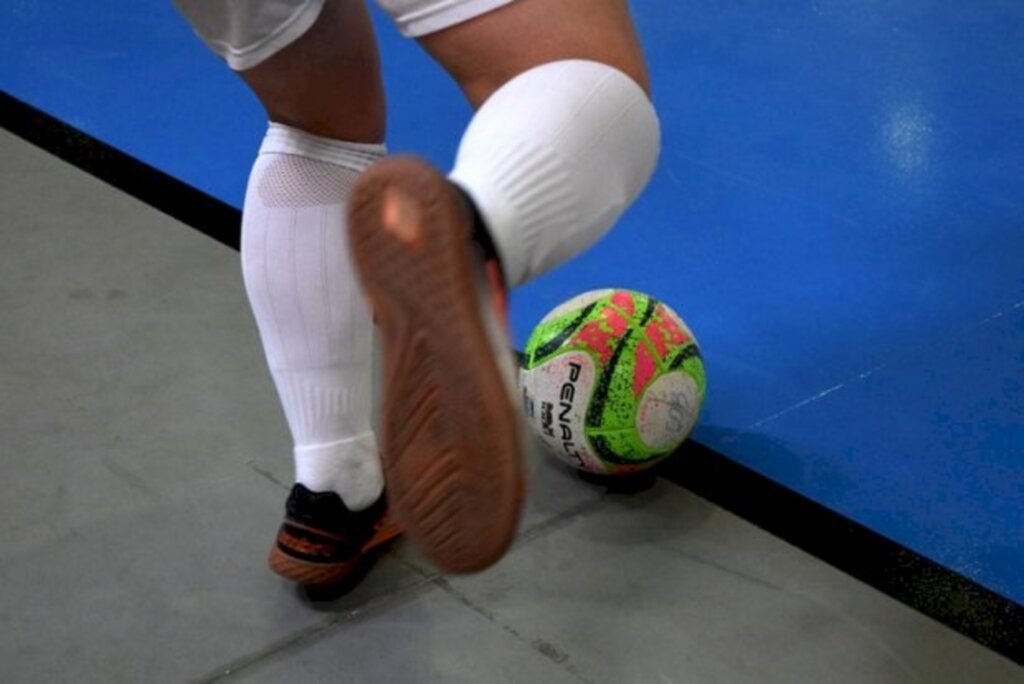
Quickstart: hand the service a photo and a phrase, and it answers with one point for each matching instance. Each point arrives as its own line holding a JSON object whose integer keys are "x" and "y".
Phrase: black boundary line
{"x": 971, "y": 609}
{"x": 194, "y": 208}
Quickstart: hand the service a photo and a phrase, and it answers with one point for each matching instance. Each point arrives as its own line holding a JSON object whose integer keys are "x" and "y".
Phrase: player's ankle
{"x": 481, "y": 233}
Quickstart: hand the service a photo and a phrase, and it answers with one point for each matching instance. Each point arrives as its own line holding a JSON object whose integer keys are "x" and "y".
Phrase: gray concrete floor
{"x": 146, "y": 466}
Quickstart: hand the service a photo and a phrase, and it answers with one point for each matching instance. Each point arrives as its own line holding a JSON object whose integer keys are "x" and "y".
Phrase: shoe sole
{"x": 313, "y": 574}
{"x": 450, "y": 438}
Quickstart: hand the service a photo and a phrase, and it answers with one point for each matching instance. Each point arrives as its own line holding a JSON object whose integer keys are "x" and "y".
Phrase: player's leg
{"x": 327, "y": 83}
{"x": 484, "y": 54}
{"x": 314, "y": 66}
{"x": 563, "y": 141}
{"x": 566, "y": 135}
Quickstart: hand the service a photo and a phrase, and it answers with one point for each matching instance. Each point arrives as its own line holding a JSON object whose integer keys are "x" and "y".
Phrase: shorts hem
{"x": 442, "y": 15}
{"x": 249, "y": 56}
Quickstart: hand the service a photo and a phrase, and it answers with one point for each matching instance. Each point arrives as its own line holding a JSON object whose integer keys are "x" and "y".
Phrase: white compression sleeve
{"x": 314, "y": 324}
{"x": 553, "y": 158}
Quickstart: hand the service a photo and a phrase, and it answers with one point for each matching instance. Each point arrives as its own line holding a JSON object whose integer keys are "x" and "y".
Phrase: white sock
{"x": 553, "y": 158}
{"x": 314, "y": 323}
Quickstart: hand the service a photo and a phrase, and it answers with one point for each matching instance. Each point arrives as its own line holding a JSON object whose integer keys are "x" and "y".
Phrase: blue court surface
{"x": 838, "y": 214}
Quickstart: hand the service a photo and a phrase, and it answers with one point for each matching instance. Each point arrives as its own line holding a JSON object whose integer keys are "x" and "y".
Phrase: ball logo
{"x": 547, "y": 419}
{"x": 680, "y": 412}
{"x": 566, "y": 397}
{"x": 556, "y": 422}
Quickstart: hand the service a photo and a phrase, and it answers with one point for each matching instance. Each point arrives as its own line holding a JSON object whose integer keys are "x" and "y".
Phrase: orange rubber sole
{"x": 450, "y": 436}
{"x": 313, "y": 574}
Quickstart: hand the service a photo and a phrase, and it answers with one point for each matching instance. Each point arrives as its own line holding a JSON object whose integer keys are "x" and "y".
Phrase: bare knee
{"x": 327, "y": 82}
{"x": 485, "y": 53}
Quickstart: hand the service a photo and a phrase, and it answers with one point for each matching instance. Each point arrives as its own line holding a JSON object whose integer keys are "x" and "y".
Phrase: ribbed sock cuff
{"x": 282, "y": 139}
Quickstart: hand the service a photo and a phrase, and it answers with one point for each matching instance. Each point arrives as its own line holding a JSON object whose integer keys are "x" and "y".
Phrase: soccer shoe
{"x": 321, "y": 543}
{"x": 451, "y": 444}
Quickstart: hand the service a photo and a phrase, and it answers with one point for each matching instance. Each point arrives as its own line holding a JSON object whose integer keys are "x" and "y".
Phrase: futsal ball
{"x": 612, "y": 381}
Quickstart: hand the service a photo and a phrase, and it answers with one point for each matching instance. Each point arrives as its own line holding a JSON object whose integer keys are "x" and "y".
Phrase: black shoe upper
{"x": 326, "y": 511}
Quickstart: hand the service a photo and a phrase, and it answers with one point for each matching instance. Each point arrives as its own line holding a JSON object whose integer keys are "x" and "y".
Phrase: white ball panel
{"x": 577, "y": 302}
{"x": 668, "y": 410}
{"x": 556, "y": 395}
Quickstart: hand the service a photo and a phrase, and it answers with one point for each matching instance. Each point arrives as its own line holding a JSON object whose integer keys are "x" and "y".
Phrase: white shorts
{"x": 246, "y": 32}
